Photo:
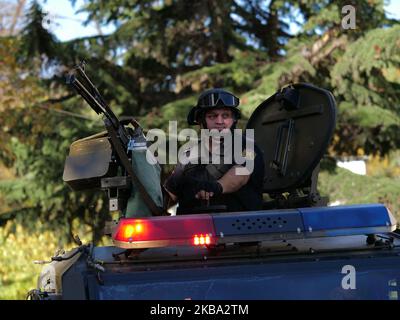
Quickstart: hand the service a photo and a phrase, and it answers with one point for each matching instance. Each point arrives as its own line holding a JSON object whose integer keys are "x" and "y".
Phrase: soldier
{"x": 200, "y": 183}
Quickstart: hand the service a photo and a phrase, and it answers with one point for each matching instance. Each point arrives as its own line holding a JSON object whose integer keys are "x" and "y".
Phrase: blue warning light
{"x": 348, "y": 220}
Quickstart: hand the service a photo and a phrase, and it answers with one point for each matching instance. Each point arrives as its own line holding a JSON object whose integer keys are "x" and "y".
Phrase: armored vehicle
{"x": 297, "y": 247}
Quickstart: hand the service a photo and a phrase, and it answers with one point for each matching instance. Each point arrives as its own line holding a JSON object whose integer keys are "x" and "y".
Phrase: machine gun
{"x": 95, "y": 161}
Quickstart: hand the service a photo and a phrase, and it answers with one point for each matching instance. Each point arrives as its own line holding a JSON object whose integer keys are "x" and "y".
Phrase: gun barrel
{"x": 93, "y": 87}
{"x": 98, "y": 108}
{"x": 87, "y": 90}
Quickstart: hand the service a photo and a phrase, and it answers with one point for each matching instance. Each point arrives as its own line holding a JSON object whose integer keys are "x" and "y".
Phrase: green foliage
{"x": 174, "y": 111}
{"x": 324, "y": 18}
{"x": 18, "y": 249}
{"x": 321, "y": 16}
{"x": 36, "y": 40}
{"x": 345, "y": 187}
{"x": 360, "y": 74}
{"x": 363, "y": 79}
{"x": 38, "y": 190}
{"x": 21, "y": 246}
{"x": 386, "y": 166}
{"x": 229, "y": 75}
{"x": 275, "y": 76}
{"x": 35, "y": 145}
{"x": 369, "y": 116}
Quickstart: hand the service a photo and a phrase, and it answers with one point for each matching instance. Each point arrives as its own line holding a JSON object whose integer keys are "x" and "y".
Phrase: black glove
{"x": 188, "y": 184}
{"x": 208, "y": 186}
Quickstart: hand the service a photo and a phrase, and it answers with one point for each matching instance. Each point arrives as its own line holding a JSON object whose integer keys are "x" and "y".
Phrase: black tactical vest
{"x": 249, "y": 197}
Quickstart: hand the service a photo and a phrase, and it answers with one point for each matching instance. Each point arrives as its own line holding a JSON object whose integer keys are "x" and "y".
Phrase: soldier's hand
{"x": 207, "y": 189}
{"x": 204, "y": 195}
{"x": 201, "y": 189}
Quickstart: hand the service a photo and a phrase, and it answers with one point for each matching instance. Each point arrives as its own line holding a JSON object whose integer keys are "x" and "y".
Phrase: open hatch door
{"x": 293, "y": 128}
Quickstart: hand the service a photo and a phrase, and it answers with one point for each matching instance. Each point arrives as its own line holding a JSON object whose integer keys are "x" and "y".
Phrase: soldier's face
{"x": 219, "y": 119}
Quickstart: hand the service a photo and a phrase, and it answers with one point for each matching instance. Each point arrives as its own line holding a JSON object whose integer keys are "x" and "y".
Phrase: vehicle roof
{"x": 277, "y": 250}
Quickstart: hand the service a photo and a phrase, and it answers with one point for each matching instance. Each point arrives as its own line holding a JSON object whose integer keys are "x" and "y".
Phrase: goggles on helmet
{"x": 218, "y": 98}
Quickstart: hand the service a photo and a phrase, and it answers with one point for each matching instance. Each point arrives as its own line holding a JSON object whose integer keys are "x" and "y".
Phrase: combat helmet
{"x": 210, "y": 99}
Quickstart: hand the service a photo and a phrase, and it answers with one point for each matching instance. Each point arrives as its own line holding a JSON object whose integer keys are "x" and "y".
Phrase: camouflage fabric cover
{"x": 149, "y": 175}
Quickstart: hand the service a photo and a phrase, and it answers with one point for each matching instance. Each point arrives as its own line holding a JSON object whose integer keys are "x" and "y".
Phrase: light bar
{"x": 219, "y": 228}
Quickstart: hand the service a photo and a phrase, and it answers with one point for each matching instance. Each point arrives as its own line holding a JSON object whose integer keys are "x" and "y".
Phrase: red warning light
{"x": 164, "y": 231}
{"x": 130, "y": 229}
{"x": 201, "y": 240}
